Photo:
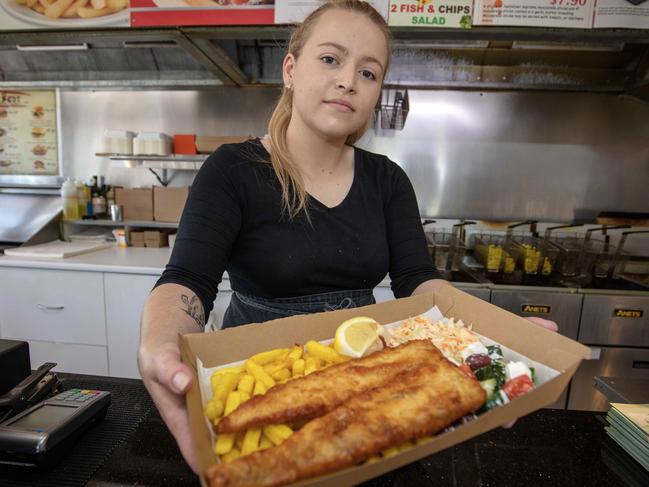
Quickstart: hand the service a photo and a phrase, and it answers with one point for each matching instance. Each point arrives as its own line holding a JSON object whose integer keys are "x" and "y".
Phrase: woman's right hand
{"x": 167, "y": 379}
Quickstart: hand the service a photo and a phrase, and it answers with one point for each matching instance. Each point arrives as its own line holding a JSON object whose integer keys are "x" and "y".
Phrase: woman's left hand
{"x": 547, "y": 324}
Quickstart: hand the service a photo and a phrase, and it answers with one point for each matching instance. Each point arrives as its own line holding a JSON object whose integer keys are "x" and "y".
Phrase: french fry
{"x": 21, "y": 2}
{"x": 38, "y": 8}
{"x": 251, "y": 441}
{"x": 56, "y": 9}
{"x": 260, "y": 388}
{"x": 265, "y": 443}
{"x": 244, "y": 396}
{"x": 72, "y": 10}
{"x": 390, "y": 452}
{"x": 235, "y": 369}
{"x": 224, "y": 386}
{"x": 238, "y": 439}
{"x": 45, "y": 3}
{"x": 213, "y": 409}
{"x": 89, "y": 13}
{"x": 31, "y": 3}
{"x": 298, "y": 367}
{"x": 324, "y": 353}
{"x": 232, "y": 403}
{"x": 258, "y": 372}
{"x": 246, "y": 384}
{"x": 116, "y": 4}
{"x": 281, "y": 374}
{"x": 277, "y": 433}
{"x": 276, "y": 366}
{"x": 232, "y": 455}
{"x": 224, "y": 444}
{"x": 98, "y": 4}
{"x": 264, "y": 358}
{"x": 310, "y": 366}
{"x": 296, "y": 353}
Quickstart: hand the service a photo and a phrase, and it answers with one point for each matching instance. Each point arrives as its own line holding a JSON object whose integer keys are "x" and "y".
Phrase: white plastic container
{"x": 118, "y": 142}
{"x": 152, "y": 143}
{"x": 70, "y": 200}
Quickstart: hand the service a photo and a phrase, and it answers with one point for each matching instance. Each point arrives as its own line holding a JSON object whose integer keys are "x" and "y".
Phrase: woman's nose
{"x": 346, "y": 80}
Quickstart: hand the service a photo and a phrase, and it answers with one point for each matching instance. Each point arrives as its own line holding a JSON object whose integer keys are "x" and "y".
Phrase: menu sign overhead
{"x": 631, "y": 14}
{"x": 535, "y": 13}
{"x": 28, "y": 141}
{"x": 151, "y": 13}
{"x": 293, "y": 11}
{"x": 431, "y": 13}
{"x": 62, "y": 14}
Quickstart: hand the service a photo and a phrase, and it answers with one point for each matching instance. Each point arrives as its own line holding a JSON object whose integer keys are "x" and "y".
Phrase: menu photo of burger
{"x": 39, "y": 165}
{"x": 4, "y": 163}
{"x": 38, "y": 111}
{"x": 38, "y": 132}
{"x": 39, "y": 150}
{"x": 3, "y": 112}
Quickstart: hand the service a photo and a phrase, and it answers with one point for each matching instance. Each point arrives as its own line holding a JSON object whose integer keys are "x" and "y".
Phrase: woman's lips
{"x": 340, "y": 105}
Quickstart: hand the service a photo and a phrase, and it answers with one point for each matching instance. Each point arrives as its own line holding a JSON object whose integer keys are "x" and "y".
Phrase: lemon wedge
{"x": 358, "y": 336}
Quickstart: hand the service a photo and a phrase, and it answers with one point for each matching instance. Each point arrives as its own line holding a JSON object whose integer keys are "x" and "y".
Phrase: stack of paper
{"x": 629, "y": 427}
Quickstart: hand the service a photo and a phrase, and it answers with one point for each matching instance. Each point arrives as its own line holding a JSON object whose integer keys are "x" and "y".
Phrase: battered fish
{"x": 318, "y": 393}
{"x": 414, "y": 404}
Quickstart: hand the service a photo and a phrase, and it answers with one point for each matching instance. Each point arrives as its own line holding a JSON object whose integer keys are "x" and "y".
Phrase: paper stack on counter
{"x": 629, "y": 427}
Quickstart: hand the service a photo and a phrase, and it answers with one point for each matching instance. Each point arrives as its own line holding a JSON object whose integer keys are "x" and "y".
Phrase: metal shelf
{"x": 175, "y": 162}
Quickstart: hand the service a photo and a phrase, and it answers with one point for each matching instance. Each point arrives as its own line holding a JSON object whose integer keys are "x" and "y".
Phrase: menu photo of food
{"x": 65, "y": 14}
{"x": 28, "y": 132}
{"x": 151, "y": 13}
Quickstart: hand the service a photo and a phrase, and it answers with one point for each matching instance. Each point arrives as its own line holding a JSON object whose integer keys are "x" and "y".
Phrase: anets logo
{"x": 628, "y": 313}
{"x": 535, "y": 308}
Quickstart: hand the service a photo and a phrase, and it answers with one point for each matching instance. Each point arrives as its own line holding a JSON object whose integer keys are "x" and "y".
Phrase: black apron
{"x": 251, "y": 309}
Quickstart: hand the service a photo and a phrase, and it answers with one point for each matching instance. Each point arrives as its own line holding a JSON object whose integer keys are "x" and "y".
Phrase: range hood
{"x": 612, "y": 61}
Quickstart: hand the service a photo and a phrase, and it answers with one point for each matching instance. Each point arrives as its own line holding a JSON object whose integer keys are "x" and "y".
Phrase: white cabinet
{"x": 125, "y": 297}
{"x": 61, "y": 315}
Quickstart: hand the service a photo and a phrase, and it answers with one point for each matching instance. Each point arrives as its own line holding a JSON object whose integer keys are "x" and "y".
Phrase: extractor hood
{"x": 603, "y": 60}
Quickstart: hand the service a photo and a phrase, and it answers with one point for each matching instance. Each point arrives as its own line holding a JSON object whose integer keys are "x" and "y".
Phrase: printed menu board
{"x": 292, "y": 11}
{"x": 431, "y": 13}
{"x": 28, "y": 140}
{"x": 62, "y": 14}
{"x": 630, "y": 14}
{"x": 535, "y": 13}
{"x": 151, "y": 13}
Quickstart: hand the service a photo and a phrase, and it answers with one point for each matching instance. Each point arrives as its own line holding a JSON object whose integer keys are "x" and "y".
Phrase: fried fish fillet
{"x": 414, "y": 404}
{"x": 317, "y": 393}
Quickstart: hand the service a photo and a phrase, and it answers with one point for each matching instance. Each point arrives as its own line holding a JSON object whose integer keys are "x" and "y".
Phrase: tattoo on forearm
{"x": 194, "y": 308}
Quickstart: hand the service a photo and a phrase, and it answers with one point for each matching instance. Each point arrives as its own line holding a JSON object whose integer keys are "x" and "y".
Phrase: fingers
{"x": 548, "y": 324}
{"x": 170, "y": 371}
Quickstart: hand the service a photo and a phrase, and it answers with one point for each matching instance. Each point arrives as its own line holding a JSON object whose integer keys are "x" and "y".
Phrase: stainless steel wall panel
{"x": 564, "y": 308}
{"x": 482, "y": 293}
{"x": 615, "y": 320}
{"x": 630, "y": 363}
{"x": 492, "y": 156}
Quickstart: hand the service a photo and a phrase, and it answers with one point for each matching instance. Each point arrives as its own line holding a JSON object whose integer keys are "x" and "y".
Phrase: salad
{"x": 502, "y": 380}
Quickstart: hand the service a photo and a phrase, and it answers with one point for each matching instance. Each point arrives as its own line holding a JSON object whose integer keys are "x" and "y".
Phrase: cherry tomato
{"x": 518, "y": 386}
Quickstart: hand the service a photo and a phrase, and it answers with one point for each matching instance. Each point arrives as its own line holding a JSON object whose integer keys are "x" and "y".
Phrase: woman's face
{"x": 337, "y": 78}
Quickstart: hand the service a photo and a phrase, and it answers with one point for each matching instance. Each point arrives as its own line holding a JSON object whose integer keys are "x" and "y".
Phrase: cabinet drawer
{"x": 57, "y": 306}
{"x": 77, "y": 359}
{"x": 615, "y": 320}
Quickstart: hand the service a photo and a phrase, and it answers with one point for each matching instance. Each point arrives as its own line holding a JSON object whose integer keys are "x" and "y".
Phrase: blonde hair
{"x": 294, "y": 195}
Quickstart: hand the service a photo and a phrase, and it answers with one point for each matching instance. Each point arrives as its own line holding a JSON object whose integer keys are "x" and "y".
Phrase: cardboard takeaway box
{"x": 516, "y": 333}
{"x": 137, "y": 204}
{"x": 168, "y": 203}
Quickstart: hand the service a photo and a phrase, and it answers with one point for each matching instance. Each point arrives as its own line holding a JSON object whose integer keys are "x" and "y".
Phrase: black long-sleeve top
{"x": 234, "y": 220}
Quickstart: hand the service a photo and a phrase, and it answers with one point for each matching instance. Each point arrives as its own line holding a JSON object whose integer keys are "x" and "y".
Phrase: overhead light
{"x": 440, "y": 44}
{"x": 561, "y": 46}
{"x": 53, "y": 47}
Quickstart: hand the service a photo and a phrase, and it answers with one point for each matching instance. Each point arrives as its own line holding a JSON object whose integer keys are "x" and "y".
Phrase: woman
{"x": 301, "y": 220}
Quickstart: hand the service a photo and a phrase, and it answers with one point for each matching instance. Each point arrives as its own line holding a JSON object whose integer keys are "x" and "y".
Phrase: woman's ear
{"x": 288, "y": 67}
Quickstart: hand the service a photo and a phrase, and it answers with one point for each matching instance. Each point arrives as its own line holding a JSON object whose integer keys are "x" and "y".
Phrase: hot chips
{"x": 56, "y": 9}
{"x": 232, "y": 386}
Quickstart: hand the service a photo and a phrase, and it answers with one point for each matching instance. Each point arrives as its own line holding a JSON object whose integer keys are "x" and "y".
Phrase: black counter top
{"x": 546, "y": 448}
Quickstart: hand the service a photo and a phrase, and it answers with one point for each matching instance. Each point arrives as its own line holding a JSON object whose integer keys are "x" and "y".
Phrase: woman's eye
{"x": 328, "y": 59}
{"x": 368, "y": 74}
